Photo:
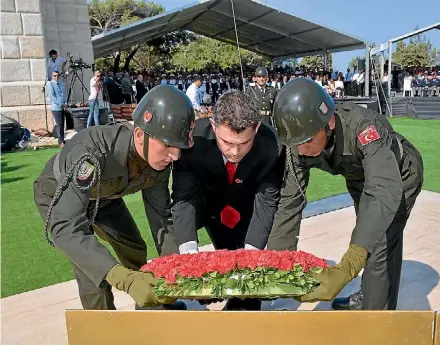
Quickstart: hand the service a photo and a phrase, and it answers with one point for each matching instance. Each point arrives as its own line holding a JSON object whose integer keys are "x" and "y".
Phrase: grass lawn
{"x": 28, "y": 262}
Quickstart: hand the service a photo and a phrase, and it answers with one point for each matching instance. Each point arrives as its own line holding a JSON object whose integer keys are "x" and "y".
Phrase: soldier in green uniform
{"x": 80, "y": 192}
{"x": 263, "y": 94}
{"x": 383, "y": 173}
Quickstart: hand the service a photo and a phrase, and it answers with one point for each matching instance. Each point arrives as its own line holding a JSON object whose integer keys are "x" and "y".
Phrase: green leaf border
{"x": 262, "y": 282}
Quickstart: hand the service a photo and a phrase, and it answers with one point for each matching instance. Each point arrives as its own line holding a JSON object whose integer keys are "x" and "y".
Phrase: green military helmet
{"x": 261, "y": 72}
{"x": 302, "y": 108}
{"x": 167, "y": 114}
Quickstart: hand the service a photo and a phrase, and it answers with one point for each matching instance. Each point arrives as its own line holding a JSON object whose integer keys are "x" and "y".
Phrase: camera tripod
{"x": 76, "y": 77}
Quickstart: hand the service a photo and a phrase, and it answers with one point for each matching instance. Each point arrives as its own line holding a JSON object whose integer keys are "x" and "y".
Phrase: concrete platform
{"x": 37, "y": 317}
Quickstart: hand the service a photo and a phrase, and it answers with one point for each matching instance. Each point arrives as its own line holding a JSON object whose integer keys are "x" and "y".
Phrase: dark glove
{"x": 333, "y": 279}
{"x": 139, "y": 285}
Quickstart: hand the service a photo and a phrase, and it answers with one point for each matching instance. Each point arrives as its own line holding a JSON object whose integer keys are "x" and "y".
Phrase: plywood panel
{"x": 253, "y": 328}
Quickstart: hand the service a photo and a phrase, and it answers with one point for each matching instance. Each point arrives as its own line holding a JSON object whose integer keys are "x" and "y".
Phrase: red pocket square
{"x": 229, "y": 216}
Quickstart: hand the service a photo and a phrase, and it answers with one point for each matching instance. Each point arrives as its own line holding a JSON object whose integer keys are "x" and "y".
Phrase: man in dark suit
{"x": 228, "y": 182}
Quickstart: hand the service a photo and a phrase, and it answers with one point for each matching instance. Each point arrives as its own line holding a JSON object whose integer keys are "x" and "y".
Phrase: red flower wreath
{"x": 222, "y": 261}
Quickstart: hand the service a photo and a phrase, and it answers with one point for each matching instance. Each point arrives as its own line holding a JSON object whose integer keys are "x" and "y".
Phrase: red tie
{"x": 231, "y": 168}
{"x": 230, "y": 216}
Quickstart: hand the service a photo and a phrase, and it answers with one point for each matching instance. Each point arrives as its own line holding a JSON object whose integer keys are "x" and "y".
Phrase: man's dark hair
{"x": 52, "y": 52}
{"x": 236, "y": 110}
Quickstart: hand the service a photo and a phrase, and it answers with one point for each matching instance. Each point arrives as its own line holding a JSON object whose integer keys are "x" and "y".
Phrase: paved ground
{"x": 37, "y": 317}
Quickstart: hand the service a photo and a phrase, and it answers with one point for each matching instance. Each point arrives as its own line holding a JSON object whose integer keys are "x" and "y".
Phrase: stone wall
{"x": 29, "y": 29}
{"x": 67, "y": 30}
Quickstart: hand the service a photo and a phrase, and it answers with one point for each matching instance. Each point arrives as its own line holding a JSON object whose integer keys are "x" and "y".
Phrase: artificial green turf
{"x": 28, "y": 262}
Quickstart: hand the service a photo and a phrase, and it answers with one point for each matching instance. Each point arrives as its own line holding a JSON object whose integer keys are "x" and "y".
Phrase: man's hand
{"x": 333, "y": 279}
{"x": 139, "y": 285}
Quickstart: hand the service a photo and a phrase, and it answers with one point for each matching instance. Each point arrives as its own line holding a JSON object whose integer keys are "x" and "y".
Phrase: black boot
{"x": 179, "y": 305}
{"x": 353, "y": 302}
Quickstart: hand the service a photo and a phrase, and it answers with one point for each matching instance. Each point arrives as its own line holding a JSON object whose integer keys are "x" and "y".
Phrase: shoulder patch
{"x": 85, "y": 171}
{"x": 368, "y": 135}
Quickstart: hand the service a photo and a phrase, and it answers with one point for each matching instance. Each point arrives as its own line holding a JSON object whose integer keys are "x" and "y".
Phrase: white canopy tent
{"x": 260, "y": 28}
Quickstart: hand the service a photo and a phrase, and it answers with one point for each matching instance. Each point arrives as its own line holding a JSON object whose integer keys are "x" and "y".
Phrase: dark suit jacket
{"x": 254, "y": 193}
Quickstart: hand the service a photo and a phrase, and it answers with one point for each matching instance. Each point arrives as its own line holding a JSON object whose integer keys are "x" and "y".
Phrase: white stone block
{"x": 16, "y": 95}
{"x": 30, "y": 6}
{"x": 32, "y": 47}
{"x": 51, "y": 13}
{"x": 15, "y": 70}
{"x": 11, "y": 24}
{"x": 66, "y": 27}
{"x": 7, "y": 5}
{"x": 36, "y": 94}
{"x": 38, "y": 69}
{"x": 82, "y": 33}
{"x": 34, "y": 117}
{"x": 32, "y": 24}
{"x": 66, "y": 14}
{"x": 10, "y": 47}
{"x": 66, "y": 37}
{"x": 82, "y": 14}
{"x": 51, "y": 36}
{"x": 11, "y": 113}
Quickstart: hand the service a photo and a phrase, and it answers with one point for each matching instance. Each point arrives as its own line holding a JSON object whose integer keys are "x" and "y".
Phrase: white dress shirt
{"x": 193, "y": 94}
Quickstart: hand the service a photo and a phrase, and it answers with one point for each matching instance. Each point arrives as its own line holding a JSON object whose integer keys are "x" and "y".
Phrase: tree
{"x": 111, "y": 14}
{"x": 316, "y": 62}
{"x": 418, "y": 52}
{"x": 354, "y": 62}
{"x": 206, "y": 53}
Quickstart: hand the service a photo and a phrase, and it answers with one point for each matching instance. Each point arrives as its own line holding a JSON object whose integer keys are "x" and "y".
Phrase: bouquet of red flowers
{"x": 239, "y": 273}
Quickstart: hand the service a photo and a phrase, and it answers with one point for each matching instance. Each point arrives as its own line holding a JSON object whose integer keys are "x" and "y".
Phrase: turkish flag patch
{"x": 229, "y": 216}
{"x": 368, "y": 135}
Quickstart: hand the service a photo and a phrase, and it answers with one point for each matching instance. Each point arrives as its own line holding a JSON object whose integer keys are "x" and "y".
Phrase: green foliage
{"x": 417, "y": 52}
{"x": 206, "y": 53}
{"x": 261, "y": 282}
{"x": 316, "y": 62}
{"x": 106, "y": 15}
{"x": 354, "y": 62}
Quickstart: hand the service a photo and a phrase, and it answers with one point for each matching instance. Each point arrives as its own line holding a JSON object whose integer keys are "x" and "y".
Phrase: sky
{"x": 373, "y": 21}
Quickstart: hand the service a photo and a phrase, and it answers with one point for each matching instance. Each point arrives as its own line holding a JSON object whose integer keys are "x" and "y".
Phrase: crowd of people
{"x": 130, "y": 87}
{"x": 415, "y": 81}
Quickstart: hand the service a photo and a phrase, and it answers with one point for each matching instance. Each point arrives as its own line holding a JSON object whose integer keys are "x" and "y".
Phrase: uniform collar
{"x": 136, "y": 164}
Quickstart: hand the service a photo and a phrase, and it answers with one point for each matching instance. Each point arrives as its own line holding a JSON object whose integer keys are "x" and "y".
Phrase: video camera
{"x": 77, "y": 64}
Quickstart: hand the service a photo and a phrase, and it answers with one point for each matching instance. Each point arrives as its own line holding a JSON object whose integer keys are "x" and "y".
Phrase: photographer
{"x": 95, "y": 95}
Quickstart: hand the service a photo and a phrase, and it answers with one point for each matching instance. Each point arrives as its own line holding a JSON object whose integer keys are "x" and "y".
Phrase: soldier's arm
{"x": 382, "y": 190}
{"x": 70, "y": 228}
{"x": 265, "y": 206}
{"x": 157, "y": 206}
{"x": 287, "y": 221}
{"x": 184, "y": 204}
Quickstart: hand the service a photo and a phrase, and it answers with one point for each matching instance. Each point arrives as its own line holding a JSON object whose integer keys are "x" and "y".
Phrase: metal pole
{"x": 390, "y": 58}
{"x": 325, "y": 59}
{"x": 367, "y": 71}
{"x": 382, "y": 65}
